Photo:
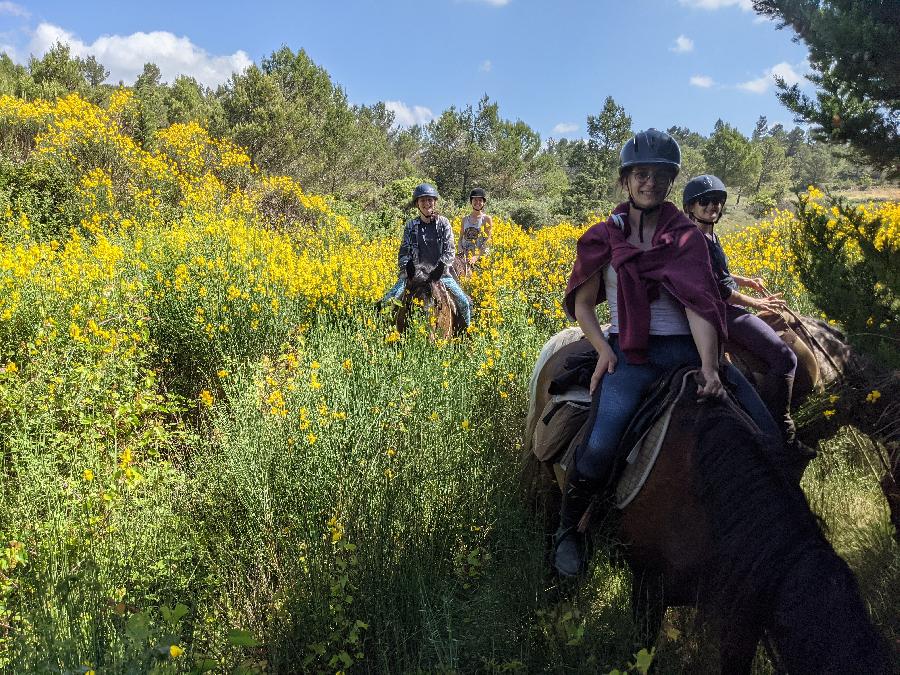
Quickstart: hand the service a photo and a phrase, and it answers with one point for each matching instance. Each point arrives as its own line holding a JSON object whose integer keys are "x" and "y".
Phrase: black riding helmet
{"x": 477, "y": 192}
{"x": 705, "y": 185}
{"x": 649, "y": 147}
{"x": 425, "y": 190}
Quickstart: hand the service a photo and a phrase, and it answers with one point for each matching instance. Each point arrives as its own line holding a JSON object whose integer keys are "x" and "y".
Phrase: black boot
{"x": 569, "y": 548}
{"x": 776, "y": 391}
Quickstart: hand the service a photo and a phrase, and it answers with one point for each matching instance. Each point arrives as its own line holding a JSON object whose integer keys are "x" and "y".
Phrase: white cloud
{"x": 14, "y": 9}
{"x": 565, "y": 128}
{"x": 125, "y": 55}
{"x": 682, "y": 44}
{"x": 786, "y": 72}
{"x": 702, "y": 81}
{"x": 10, "y": 51}
{"x": 757, "y": 86}
{"x": 486, "y": 66}
{"x": 746, "y": 5}
{"x": 761, "y": 85}
{"x": 404, "y": 116}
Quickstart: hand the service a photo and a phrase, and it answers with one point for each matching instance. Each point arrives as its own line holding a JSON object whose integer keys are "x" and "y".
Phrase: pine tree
{"x": 853, "y": 53}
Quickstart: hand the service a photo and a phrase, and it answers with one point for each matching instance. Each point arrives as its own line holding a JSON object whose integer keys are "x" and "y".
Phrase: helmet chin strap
{"x": 705, "y": 222}
{"x": 645, "y": 210}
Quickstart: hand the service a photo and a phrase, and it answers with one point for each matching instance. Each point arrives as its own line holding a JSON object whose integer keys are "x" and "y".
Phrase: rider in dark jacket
{"x": 428, "y": 240}
{"x": 703, "y": 201}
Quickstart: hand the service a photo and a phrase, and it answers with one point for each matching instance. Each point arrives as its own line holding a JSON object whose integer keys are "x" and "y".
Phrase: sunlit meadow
{"x": 215, "y": 457}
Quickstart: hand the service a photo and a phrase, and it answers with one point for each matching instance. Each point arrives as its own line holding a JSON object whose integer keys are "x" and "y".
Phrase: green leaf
{"x": 241, "y": 638}
{"x": 643, "y": 659}
{"x": 138, "y": 627}
{"x": 204, "y": 664}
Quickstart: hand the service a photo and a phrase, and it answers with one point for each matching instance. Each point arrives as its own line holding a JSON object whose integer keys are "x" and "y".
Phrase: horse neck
{"x": 819, "y": 622}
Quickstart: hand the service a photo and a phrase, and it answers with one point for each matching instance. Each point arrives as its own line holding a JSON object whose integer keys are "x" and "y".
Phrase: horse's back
{"x": 550, "y": 361}
{"x": 664, "y": 529}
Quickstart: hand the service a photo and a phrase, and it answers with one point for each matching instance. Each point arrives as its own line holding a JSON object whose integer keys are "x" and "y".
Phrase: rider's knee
{"x": 785, "y": 361}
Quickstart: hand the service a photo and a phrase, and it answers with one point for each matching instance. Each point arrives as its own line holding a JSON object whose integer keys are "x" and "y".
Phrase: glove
{"x": 437, "y": 272}
{"x": 410, "y": 269}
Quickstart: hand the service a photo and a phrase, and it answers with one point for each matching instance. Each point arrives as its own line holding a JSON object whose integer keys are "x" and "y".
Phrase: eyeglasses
{"x": 661, "y": 176}
{"x": 706, "y": 200}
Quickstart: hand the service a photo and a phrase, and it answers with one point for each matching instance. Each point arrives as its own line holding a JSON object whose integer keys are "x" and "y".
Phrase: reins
{"x": 813, "y": 340}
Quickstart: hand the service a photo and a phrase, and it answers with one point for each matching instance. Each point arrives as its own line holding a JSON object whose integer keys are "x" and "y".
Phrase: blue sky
{"x": 549, "y": 63}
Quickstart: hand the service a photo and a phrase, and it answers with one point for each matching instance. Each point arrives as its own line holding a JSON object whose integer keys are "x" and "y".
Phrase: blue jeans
{"x": 452, "y": 285}
{"x": 621, "y": 393}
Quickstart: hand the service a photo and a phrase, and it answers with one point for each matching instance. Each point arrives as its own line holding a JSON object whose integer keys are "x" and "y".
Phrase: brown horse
{"x": 716, "y": 524}
{"x": 464, "y": 266}
{"x": 441, "y": 313}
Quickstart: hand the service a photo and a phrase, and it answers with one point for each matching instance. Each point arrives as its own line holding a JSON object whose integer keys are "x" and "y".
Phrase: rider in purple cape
{"x": 665, "y": 312}
{"x": 678, "y": 260}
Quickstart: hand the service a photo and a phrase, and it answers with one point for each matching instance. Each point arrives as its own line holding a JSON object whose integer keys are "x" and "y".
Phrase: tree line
{"x": 293, "y": 119}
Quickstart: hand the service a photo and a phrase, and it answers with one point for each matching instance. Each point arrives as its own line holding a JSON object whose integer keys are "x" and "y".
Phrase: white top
{"x": 667, "y": 316}
{"x": 473, "y": 235}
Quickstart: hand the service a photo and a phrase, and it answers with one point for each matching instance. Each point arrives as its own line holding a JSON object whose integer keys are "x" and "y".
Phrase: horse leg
{"x": 647, "y": 604}
{"x": 739, "y": 637}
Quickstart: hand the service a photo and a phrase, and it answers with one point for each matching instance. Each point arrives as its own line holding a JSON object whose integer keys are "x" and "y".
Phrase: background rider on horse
{"x": 703, "y": 201}
{"x": 428, "y": 241}
{"x": 475, "y": 230}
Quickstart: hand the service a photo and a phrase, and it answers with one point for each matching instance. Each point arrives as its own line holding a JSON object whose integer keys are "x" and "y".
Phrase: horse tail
{"x": 774, "y": 564}
{"x": 564, "y": 337}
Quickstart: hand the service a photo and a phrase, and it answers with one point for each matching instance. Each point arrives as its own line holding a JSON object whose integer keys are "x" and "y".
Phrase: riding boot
{"x": 776, "y": 391}
{"x": 569, "y": 544}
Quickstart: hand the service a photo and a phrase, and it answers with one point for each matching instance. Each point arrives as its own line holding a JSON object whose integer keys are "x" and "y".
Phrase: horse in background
{"x": 463, "y": 267}
{"x": 432, "y": 297}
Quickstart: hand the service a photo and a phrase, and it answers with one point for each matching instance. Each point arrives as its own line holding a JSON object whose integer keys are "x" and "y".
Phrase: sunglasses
{"x": 643, "y": 175}
{"x": 706, "y": 200}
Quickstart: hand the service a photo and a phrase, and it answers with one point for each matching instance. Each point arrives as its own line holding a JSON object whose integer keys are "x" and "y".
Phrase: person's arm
{"x": 405, "y": 254}
{"x": 755, "y": 283}
{"x": 488, "y": 230}
{"x": 448, "y": 245}
{"x": 586, "y": 315}
{"x": 707, "y": 340}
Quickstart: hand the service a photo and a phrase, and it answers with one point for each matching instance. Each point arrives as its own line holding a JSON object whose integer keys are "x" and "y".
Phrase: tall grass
{"x": 214, "y": 457}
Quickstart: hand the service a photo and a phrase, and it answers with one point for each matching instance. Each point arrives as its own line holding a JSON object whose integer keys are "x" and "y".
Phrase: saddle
{"x": 569, "y": 413}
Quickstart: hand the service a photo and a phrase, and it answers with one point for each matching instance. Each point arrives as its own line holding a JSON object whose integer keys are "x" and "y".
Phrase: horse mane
{"x": 748, "y": 500}
{"x": 773, "y": 562}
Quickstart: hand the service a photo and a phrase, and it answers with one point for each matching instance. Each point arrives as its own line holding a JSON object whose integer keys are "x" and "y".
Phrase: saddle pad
{"x": 642, "y": 457}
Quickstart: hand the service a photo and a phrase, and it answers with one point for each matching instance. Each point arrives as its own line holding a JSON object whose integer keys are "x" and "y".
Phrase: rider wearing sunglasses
{"x": 703, "y": 201}
{"x": 650, "y": 264}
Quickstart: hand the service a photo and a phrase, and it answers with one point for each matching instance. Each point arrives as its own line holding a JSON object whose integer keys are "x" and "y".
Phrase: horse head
{"x": 422, "y": 290}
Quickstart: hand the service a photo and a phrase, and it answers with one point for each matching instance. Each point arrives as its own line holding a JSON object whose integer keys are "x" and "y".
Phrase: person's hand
{"x": 606, "y": 363}
{"x": 756, "y": 284}
{"x": 437, "y": 272}
{"x": 709, "y": 385}
{"x": 410, "y": 269}
{"x": 772, "y": 303}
